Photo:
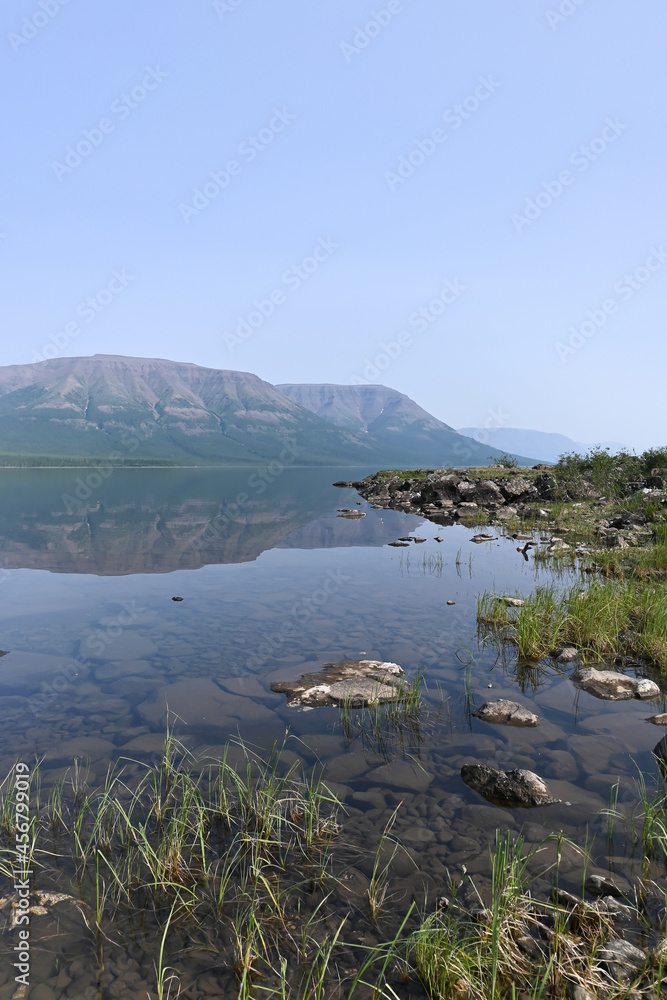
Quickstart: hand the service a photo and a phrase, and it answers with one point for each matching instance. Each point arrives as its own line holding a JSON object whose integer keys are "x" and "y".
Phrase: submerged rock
{"x": 614, "y": 686}
{"x": 506, "y": 713}
{"x": 518, "y": 787}
{"x": 351, "y": 513}
{"x": 355, "y": 683}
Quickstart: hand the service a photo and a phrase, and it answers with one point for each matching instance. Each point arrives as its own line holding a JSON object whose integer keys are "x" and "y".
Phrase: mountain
{"x": 148, "y": 408}
{"x": 122, "y": 409}
{"x": 396, "y": 422}
{"x": 548, "y": 446}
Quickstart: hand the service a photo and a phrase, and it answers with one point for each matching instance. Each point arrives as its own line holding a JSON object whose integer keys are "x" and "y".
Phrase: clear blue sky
{"x": 403, "y": 140}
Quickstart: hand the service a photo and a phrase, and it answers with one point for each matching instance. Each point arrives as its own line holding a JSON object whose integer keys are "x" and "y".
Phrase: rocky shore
{"x": 498, "y": 496}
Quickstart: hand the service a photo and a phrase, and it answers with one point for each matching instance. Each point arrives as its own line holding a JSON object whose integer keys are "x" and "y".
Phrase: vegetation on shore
{"x": 79, "y": 462}
{"x": 248, "y": 860}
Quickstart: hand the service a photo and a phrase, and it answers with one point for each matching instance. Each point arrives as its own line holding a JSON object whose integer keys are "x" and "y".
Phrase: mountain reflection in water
{"x": 158, "y": 521}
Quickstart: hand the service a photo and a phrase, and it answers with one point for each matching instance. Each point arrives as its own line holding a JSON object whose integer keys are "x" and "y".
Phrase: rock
{"x": 565, "y": 654}
{"x": 602, "y": 885}
{"x": 483, "y": 538}
{"x": 464, "y": 509}
{"x": 399, "y": 545}
{"x": 199, "y": 701}
{"x": 614, "y": 686}
{"x": 506, "y": 713}
{"x": 418, "y": 540}
{"x": 352, "y": 682}
{"x": 658, "y": 720}
{"x": 623, "y": 960}
{"x": 660, "y": 754}
{"x": 481, "y": 492}
{"x": 518, "y": 787}
{"x": 616, "y": 542}
{"x": 177, "y": 598}
{"x": 513, "y": 602}
{"x": 518, "y": 488}
{"x": 619, "y": 912}
{"x": 581, "y": 993}
{"x": 451, "y": 602}
{"x": 437, "y": 538}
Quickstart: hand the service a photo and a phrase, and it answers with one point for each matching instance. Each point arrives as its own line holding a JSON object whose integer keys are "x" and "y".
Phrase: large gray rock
{"x": 623, "y": 960}
{"x": 506, "y": 713}
{"x": 356, "y": 683}
{"x": 614, "y": 686}
{"x": 481, "y": 492}
{"x": 517, "y": 488}
{"x": 518, "y": 787}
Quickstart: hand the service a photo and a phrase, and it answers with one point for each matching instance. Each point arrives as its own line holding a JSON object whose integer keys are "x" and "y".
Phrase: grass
{"x": 608, "y": 619}
{"x": 389, "y": 728}
{"x": 510, "y": 944}
{"x": 235, "y": 856}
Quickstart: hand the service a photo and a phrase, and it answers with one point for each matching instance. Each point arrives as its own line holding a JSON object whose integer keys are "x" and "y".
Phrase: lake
{"x": 274, "y": 583}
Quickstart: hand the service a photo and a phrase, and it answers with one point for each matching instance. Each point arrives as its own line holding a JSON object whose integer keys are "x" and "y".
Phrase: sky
{"x": 465, "y": 201}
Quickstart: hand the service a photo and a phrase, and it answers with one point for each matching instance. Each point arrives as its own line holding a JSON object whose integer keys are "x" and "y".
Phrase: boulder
{"x": 355, "y": 683}
{"x": 441, "y": 488}
{"x": 623, "y": 960}
{"x": 614, "y": 686}
{"x": 518, "y": 787}
{"x": 517, "y": 488}
{"x": 565, "y": 654}
{"x": 481, "y": 492}
{"x": 506, "y": 713}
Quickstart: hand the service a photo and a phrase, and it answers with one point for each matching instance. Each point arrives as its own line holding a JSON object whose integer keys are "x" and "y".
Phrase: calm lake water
{"x": 275, "y": 583}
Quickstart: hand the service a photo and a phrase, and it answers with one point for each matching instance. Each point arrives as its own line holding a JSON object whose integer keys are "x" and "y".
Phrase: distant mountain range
{"x": 117, "y": 408}
{"x": 549, "y": 447}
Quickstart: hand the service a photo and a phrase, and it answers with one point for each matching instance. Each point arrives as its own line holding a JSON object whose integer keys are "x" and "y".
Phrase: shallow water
{"x": 273, "y": 585}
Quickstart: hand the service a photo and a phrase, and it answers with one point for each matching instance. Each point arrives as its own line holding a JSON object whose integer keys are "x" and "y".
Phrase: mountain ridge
{"x": 110, "y": 406}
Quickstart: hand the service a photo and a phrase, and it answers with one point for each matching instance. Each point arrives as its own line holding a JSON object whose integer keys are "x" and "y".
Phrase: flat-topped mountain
{"x": 122, "y": 409}
{"x": 393, "y": 419}
{"x": 151, "y": 408}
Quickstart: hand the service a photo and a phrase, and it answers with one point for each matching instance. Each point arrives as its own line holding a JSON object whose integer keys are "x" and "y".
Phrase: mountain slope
{"x": 160, "y": 409}
{"x": 395, "y": 421}
{"x": 548, "y": 446}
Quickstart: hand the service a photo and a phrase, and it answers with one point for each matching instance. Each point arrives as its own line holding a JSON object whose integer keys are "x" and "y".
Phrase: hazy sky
{"x": 465, "y": 200}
